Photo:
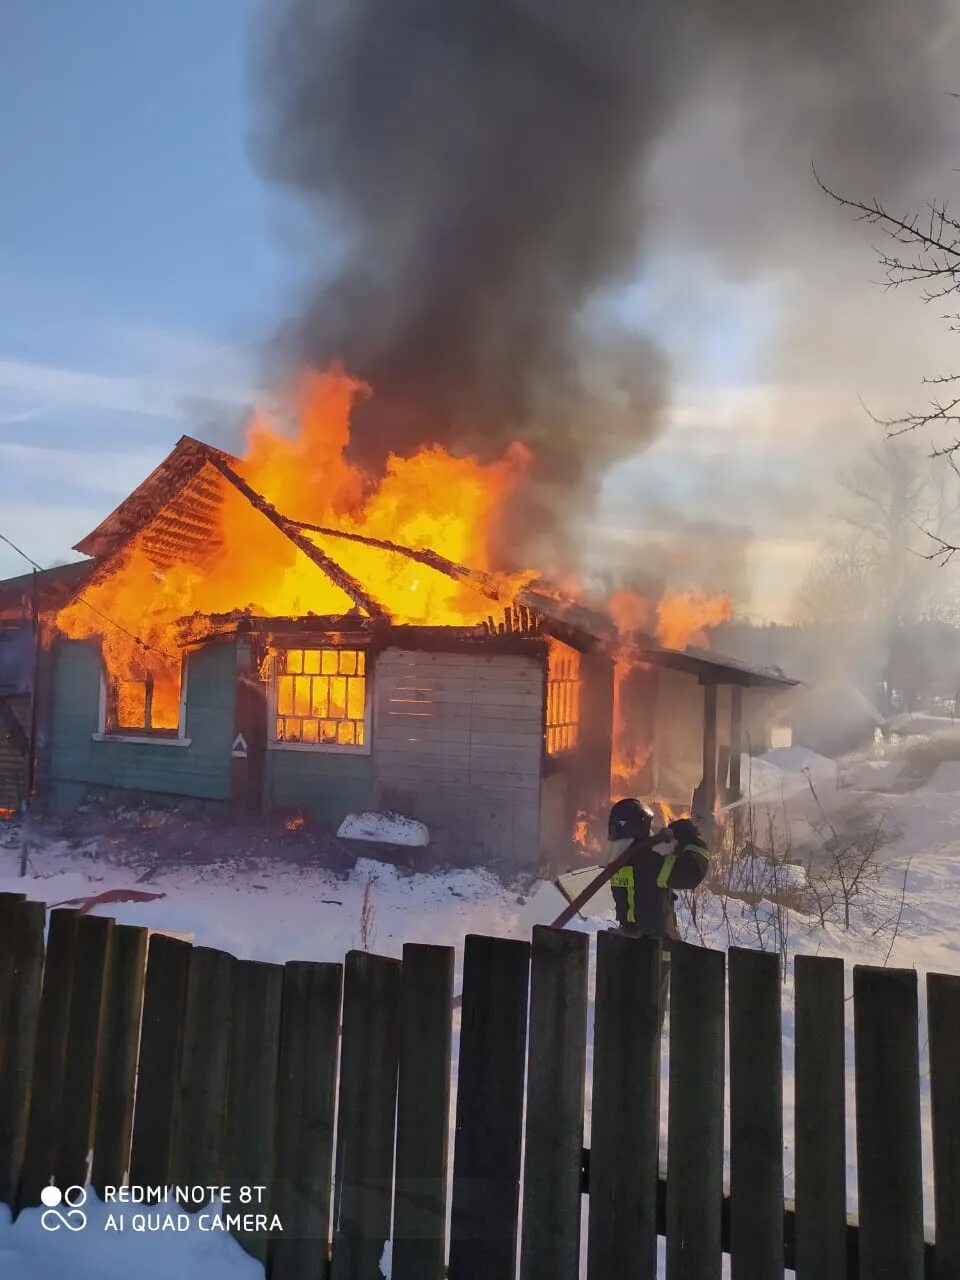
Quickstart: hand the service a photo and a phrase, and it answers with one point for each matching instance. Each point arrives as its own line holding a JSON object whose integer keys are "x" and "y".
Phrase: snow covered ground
{"x": 269, "y": 906}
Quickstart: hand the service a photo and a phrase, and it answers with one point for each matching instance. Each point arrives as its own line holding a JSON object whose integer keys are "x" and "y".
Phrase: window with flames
{"x": 147, "y": 705}
{"x": 321, "y": 697}
{"x": 563, "y": 700}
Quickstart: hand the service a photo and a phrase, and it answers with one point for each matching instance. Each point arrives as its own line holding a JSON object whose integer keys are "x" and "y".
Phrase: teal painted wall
{"x": 325, "y": 785}
{"x": 200, "y": 771}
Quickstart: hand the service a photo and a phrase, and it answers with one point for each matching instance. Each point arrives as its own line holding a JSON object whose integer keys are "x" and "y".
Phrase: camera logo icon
{"x": 71, "y": 1216}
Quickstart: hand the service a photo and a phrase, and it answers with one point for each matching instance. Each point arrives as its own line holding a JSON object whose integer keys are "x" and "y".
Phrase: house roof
{"x": 175, "y": 510}
{"x": 174, "y": 515}
{"x": 715, "y": 668}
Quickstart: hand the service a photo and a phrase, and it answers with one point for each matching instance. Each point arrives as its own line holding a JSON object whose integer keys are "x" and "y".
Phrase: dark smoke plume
{"x": 486, "y": 167}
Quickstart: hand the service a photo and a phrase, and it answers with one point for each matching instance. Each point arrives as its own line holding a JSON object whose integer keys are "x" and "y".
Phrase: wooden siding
{"x": 458, "y": 737}
{"x": 13, "y": 756}
{"x": 200, "y": 771}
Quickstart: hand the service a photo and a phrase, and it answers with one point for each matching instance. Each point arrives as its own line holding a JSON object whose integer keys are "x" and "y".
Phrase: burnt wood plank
{"x": 819, "y": 1110}
{"x": 158, "y": 1070}
{"x": 756, "y": 1115}
{"x": 889, "y": 1174}
{"x": 42, "y": 1127}
{"x": 252, "y": 1098}
{"x": 118, "y": 1067}
{"x": 695, "y": 1113}
{"x": 366, "y": 1114}
{"x": 307, "y": 1084}
{"x": 81, "y": 1072}
{"x": 486, "y": 1163}
{"x": 943, "y": 1023}
{"x": 23, "y": 1015}
{"x": 625, "y": 1124}
{"x": 198, "y": 1146}
{"x": 423, "y": 1113}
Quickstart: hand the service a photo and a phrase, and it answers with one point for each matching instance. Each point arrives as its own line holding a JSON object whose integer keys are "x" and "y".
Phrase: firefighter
{"x": 644, "y": 889}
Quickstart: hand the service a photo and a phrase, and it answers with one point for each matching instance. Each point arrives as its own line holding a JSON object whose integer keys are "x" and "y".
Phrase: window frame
{"x": 337, "y": 748}
{"x": 153, "y": 737}
{"x": 575, "y": 682}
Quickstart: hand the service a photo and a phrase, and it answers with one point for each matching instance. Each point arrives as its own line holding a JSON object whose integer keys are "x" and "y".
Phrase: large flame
{"x": 685, "y": 618}
{"x": 679, "y": 619}
{"x": 431, "y": 501}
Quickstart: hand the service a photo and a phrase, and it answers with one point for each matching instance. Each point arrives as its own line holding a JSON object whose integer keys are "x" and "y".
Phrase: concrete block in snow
{"x": 384, "y": 828}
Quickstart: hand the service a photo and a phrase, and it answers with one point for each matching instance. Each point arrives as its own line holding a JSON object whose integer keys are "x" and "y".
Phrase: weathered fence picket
{"x": 191, "y": 1068}
{"x": 423, "y": 1114}
{"x": 756, "y": 1115}
{"x": 199, "y": 1130}
{"x": 49, "y": 1057}
{"x": 490, "y": 1086}
{"x": 252, "y": 1096}
{"x": 553, "y": 1161}
{"x": 820, "y": 1229}
{"x": 625, "y": 1113}
{"x": 118, "y": 1065}
{"x": 365, "y": 1117}
{"x": 158, "y": 1070}
{"x": 695, "y": 1113}
{"x": 889, "y": 1167}
{"x": 22, "y": 1013}
{"x": 943, "y": 1019}
{"x": 307, "y": 1088}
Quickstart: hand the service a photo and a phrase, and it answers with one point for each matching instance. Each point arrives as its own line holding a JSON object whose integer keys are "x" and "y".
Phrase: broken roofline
{"x": 524, "y": 633}
{"x": 187, "y": 459}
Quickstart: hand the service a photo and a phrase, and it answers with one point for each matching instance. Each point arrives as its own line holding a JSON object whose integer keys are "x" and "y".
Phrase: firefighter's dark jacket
{"x": 644, "y": 888}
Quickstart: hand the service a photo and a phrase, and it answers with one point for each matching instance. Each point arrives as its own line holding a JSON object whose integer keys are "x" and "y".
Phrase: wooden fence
{"x": 330, "y": 1085}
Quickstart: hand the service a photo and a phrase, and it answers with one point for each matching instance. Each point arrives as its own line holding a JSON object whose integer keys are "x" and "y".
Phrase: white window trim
{"x": 148, "y": 739}
{"x": 333, "y": 748}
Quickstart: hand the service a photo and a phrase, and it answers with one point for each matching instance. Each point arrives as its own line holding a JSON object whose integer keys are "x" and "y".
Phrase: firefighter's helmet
{"x": 630, "y": 819}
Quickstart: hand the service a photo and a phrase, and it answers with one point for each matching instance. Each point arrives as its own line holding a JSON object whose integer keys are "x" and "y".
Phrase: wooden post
{"x": 819, "y": 1109}
{"x": 158, "y": 1074}
{"x": 486, "y": 1161}
{"x": 22, "y": 1016}
{"x": 366, "y": 1114}
{"x": 943, "y": 1022}
{"x": 204, "y": 1067}
{"x": 708, "y": 786}
{"x": 756, "y": 1115}
{"x": 889, "y": 1174}
{"x": 736, "y": 740}
{"x": 695, "y": 1143}
{"x": 423, "y": 1113}
{"x": 118, "y": 1068}
{"x": 249, "y": 729}
{"x": 43, "y": 1126}
{"x": 81, "y": 1073}
{"x": 554, "y": 1134}
{"x": 625, "y": 1128}
{"x": 252, "y": 1098}
{"x": 306, "y": 1086}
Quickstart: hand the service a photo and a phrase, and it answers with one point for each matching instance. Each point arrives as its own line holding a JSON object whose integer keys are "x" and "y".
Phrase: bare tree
{"x": 925, "y": 251}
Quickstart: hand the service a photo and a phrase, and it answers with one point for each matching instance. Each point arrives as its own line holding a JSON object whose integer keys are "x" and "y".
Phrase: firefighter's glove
{"x": 666, "y": 842}
{"x": 685, "y": 832}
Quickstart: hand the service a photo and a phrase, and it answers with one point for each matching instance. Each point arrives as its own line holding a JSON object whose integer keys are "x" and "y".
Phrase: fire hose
{"x": 662, "y": 838}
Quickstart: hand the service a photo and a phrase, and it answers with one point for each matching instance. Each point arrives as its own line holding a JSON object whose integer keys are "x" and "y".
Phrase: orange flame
{"x": 685, "y": 618}
{"x": 681, "y": 619}
{"x": 431, "y": 501}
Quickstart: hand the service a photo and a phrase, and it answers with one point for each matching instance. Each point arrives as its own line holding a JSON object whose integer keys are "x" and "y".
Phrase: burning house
{"x": 279, "y": 633}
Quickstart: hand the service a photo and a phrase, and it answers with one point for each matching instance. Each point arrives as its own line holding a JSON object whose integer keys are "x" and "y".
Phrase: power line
{"x": 82, "y": 599}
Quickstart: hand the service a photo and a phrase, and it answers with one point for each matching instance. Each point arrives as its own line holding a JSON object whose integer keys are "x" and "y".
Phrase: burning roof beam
{"x": 334, "y": 572}
{"x": 482, "y": 582}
